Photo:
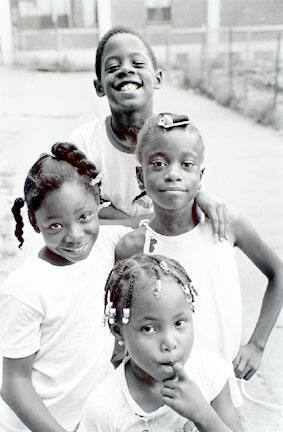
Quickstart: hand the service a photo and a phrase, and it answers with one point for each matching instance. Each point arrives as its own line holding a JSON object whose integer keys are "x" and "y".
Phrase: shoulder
{"x": 88, "y": 127}
{"x": 113, "y": 233}
{"x": 25, "y": 275}
{"x": 98, "y": 414}
{"x": 209, "y": 371}
{"x": 131, "y": 243}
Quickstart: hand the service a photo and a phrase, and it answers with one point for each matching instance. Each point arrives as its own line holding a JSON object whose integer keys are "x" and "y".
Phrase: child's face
{"x": 171, "y": 169}
{"x": 127, "y": 74}
{"x": 68, "y": 221}
{"x": 160, "y": 330}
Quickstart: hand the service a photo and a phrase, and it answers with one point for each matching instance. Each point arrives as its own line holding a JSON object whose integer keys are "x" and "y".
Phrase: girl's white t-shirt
{"x": 57, "y": 313}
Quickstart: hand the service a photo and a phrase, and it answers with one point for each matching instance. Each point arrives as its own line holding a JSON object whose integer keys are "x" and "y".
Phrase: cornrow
{"x": 65, "y": 163}
{"x": 16, "y": 210}
{"x": 126, "y": 276}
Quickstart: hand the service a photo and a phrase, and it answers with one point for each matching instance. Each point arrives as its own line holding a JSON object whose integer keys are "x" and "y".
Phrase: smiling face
{"x": 171, "y": 168}
{"x": 68, "y": 221}
{"x": 127, "y": 74}
{"x": 160, "y": 330}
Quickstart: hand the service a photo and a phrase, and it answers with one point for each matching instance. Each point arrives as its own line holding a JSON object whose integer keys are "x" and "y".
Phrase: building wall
{"x": 188, "y": 13}
{"x": 129, "y": 13}
{"x": 251, "y": 12}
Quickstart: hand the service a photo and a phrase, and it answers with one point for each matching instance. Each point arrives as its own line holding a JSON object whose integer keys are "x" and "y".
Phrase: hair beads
{"x": 133, "y": 273}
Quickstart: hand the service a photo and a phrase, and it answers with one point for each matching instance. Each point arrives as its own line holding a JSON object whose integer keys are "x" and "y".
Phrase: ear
{"x": 99, "y": 88}
{"x": 200, "y": 178}
{"x": 116, "y": 331}
{"x": 33, "y": 222}
{"x": 139, "y": 175}
{"x": 158, "y": 79}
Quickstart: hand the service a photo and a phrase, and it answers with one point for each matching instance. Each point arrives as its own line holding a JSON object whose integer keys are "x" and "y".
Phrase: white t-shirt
{"x": 56, "y": 312}
{"x": 111, "y": 408}
{"x": 218, "y": 307}
{"x": 119, "y": 184}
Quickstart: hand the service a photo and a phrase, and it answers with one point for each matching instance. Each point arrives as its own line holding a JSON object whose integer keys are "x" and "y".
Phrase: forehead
{"x": 65, "y": 200}
{"x": 175, "y": 142}
{"x": 123, "y": 44}
{"x": 170, "y": 302}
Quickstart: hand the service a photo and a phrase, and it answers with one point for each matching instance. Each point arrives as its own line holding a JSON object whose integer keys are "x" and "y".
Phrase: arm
{"x": 130, "y": 244}
{"x": 18, "y": 392}
{"x": 216, "y": 212}
{"x": 183, "y": 396}
{"x": 224, "y": 407}
{"x": 247, "y": 239}
{"x": 111, "y": 216}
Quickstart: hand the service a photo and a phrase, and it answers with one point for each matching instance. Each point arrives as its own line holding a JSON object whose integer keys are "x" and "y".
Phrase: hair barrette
{"x": 96, "y": 180}
{"x": 126, "y": 315}
{"x": 157, "y": 288}
{"x": 168, "y": 121}
{"x": 112, "y": 315}
{"x": 164, "y": 267}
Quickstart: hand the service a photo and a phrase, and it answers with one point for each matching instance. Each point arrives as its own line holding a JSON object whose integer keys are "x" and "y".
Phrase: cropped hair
{"x": 50, "y": 172}
{"x": 112, "y": 32}
{"x": 134, "y": 274}
{"x": 154, "y": 127}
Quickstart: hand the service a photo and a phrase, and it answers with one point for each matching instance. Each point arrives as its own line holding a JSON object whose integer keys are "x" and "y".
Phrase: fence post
{"x": 247, "y": 66}
{"x": 168, "y": 51}
{"x": 230, "y": 65}
{"x": 277, "y": 70}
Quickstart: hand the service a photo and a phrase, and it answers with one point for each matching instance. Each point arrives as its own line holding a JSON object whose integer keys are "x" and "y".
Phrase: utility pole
{"x": 213, "y": 24}
{"x": 6, "y": 34}
{"x": 104, "y": 16}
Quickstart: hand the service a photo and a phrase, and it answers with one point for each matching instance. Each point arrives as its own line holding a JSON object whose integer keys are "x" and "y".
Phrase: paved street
{"x": 244, "y": 168}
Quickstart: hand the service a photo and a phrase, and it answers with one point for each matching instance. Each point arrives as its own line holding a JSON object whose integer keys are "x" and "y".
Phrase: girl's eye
{"x": 138, "y": 63}
{"x": 180, "y": 323}
{"x": 85, "y": 216}
{"x": 147, "y": 330}
{"x": 112, "y": 68}
{"x": 55, "y": 227}
{"x": 188, "y": 164}
{"x": 158, "y": 164}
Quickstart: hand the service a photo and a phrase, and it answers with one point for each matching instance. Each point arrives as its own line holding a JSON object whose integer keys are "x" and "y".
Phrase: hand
{"x": 183, "y": 395}
{"x": 216, "y": 212}
{"x": 247, "y": 360}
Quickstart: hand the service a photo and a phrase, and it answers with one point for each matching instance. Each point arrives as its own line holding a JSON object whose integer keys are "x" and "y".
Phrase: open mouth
{"x": 128, "y": 86}
{"x": 76, "y": 250}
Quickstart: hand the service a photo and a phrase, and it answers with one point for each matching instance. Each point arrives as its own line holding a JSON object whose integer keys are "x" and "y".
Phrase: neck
{"x": 174, "y": 222}
{"x": 144, "y": 389}
{"x": 127, "y": 125}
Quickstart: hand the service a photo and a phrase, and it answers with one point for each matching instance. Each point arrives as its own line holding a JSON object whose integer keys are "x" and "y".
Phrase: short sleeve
{"x": 217, "y": 372}
{"x": 20, "y": 328}
{"x": 95, "y": 416}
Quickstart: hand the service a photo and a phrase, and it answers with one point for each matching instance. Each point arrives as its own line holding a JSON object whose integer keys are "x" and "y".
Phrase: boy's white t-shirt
{"x": 57, "y": 313}
{"x": 111, "y": 408}
{"x": 119, "y": 183}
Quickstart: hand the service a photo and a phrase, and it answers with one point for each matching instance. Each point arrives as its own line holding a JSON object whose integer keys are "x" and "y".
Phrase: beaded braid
{"x": 48, "y": 173}
{"x": 122, "y": 282}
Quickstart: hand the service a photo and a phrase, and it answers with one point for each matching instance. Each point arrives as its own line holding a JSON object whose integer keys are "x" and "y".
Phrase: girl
{"x": 55, "y": 349}
{"x": 127, "y": 74}
{"x": 171, "y": 153}
{"x": 164, "y": 384}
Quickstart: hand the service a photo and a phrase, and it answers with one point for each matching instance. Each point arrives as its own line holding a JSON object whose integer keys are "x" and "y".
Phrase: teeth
{"x": 129, "y": 86}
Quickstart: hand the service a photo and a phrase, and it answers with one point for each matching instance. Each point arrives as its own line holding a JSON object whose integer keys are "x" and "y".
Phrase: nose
{"x": 125, "y": 69}
{"x": 74, "y": 234}
{"x": 168, "y": 343}
{"x": 173, "y": 173}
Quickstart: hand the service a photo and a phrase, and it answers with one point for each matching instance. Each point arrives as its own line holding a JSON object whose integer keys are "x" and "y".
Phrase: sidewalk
{"x": 244, "y": 167}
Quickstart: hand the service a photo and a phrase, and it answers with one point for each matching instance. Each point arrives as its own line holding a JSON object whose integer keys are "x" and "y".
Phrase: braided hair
{"x": 129, "y": 275}
{"x": 50, "y": 171}
{"x": 112, "y": 32}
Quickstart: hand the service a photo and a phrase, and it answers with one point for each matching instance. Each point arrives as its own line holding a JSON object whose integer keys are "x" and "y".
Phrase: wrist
{"x": 258, "y": 344}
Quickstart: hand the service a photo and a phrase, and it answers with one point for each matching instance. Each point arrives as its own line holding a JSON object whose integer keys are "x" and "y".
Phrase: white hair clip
{"x": 112, "y": 315}
{"x": 168, "y": 121}
{"x": 96, "y": 180}
{"x": 126, "y": 315}
{"x": 157, "y": 288}
{"x": 164, "y": 267}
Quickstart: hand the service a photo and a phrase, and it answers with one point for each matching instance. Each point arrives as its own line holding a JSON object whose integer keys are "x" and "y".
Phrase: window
{"x": 158, "y": 11}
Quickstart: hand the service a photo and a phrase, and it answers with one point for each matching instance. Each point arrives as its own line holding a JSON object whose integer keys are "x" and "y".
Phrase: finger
{"x": 226, "y": 216}
{"x": 221, "y": 222}
{"x": 180, "y": 372}
{"x": 239, "y": 371}
{"x": 200, "y": 214}
{"x": 249, "y": 374}
{"x": 236, "y": 362}
{"x": 213, "y": 217}
{"x": 167, "y": 392}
